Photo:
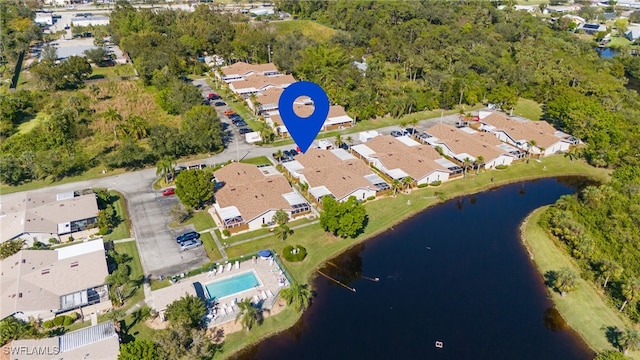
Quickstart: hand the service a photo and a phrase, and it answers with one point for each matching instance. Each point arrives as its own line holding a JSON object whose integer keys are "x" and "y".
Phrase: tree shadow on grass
{"x": 550, "y": 278}
{"x": 613, "y": 336}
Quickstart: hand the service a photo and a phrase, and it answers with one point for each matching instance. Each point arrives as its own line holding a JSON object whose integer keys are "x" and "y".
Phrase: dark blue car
{"x": 191, "y": 235}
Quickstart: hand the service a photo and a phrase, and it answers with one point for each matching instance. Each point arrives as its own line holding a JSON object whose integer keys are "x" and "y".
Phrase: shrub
{"x": 226, "y": 232}
{"x": 501, "y": 167}
{"x": 47, "y": 324}
{"x": 299, "y": 255}
{"x": 424, "y": 185}
{"x": 53, "y": 240}
{"x": 371, "y": 198}
{"x": 436, "y": 183}
{"x": 67, "y": 320}
{"x": 58, "y": 320}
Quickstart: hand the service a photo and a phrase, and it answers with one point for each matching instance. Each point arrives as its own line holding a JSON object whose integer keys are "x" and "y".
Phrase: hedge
{"x": 288, "y": 254}
{"x": 501, "y": 167}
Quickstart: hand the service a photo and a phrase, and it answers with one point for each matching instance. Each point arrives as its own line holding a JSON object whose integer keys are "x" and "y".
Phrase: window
{"x": 45, "y": 271}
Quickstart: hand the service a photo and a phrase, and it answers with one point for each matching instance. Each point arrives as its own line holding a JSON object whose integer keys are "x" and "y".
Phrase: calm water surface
{"x": 456, "y": 273}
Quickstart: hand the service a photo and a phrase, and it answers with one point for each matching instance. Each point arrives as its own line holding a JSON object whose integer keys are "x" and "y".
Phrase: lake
{"x": 456, "y": 273}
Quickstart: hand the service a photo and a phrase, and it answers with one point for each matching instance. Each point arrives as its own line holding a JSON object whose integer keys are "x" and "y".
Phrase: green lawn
{"x": 139, "y": 330}
{"x": 259, "y": 232}
{"x": 528, "y": 109}
{"x": 122, "y": 230}
{"x": 111, "y": 72}
{"x": 27, "y": 126}
{"x": 159, "y": 284}
{"x": 210, "y": 247}
{"x": 238, "y": 340}
{"x": 308, "y": 28}
{"x": 130, "y": 248}
{"x": 618, "y": 41}
{"x": 583, "y": 309}
{"x": 256, "y": 160}
{"x": 201, "y": 220}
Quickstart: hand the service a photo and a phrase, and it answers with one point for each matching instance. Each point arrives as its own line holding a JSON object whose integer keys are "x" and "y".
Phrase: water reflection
{"x": 553, "y": 320}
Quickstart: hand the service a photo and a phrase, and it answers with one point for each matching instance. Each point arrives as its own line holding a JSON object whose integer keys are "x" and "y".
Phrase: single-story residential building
{"x": 44, "y": 283}
{"x": 241, "y": 71}
{"x": 89, "y": 20}
{"x": 461, "y": 143}
{"x": 249, "y": 196}
{"x": 521, "y": 133}
{"x": 336, "y": 119}
{"x": 592, "y": 29}
{"x": 42, "y": 216}
{"x": 268, "y": 100}
{"x": 96, "y": 342}
{"x": 336, "y": 173}
{"x": 43, "y": 18}
{"x": 256, "y": 84}
{"x": 401, "y": 157}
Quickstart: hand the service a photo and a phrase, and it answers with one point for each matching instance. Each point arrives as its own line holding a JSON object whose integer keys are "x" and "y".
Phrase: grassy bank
{"x": 122, "y": 231}
{"x": 386, "y": 212}
{"x": 583, "y": 309}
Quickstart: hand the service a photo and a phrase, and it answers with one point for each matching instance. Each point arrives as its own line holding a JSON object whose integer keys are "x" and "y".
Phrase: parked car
{"x": 424, "y": 136}
{"x": 213, "y": 96}
{"x": 287, "y": 154}
{"x": 396, "y": 133}
{"x": 206, "y": 102}
{"x": 293, "y": 152}
{"x": 344, "y": 146}
{"x": 168, "y": 192}
{"x": 190, "y": 244}
{"x": 220, "y": 103}
{"x": 241, "y": 124}
{"x": 229, "y": 112}
{"x": 245, "y": 130}
{"x": 191, "y": 235}
{"x": 411, "y": 131}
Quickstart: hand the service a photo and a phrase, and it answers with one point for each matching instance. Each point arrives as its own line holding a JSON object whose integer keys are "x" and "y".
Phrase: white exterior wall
{"x": 503, "y": 137}
{"x": 500, "y": 160}
{"x": 560, "y": 146}
{"x": 257, "y": 222}
{"x": 434, "y": 176}
{"x": 360, "y": 194}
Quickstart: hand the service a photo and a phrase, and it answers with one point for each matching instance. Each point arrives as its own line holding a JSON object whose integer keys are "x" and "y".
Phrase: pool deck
{"x": 267, "y": 272}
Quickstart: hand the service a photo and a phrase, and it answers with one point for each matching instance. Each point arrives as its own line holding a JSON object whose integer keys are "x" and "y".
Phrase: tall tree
{"x": 566, "y": 281}
{"x": 187, "y": 311}
{"x": 248, "y": 315}
{"x": 165, "y": 167}
{"x": 630, "y": 291}
{"x": 298, "y": 295}
{"x": 112, "y": 117}
{"x": 194, "y": 187}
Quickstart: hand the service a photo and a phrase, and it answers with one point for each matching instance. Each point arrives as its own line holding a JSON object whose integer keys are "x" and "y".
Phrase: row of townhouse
{"x": 261, "y": 86}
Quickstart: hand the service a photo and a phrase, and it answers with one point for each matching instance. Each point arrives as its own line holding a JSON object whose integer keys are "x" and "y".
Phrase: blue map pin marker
{"x": 303, "y": 129}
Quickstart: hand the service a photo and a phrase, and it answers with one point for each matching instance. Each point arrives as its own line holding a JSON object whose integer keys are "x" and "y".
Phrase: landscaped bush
{"x": 436, "y": 183}
{"x": 47, "y": 324}
{"x": 68, "y": 320}
{"x": 226, "y": 232}
{"x": 371, "y": 198}
{"x": 501, "y": 167}
{"x": 58, "y": 320}
{"x": 299, "y": 255}
{"x": 424, "y": 185}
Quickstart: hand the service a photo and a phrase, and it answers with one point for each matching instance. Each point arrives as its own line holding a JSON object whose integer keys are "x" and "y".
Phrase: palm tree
{"x": 248, "y": 314}
{"x": 479, "y": 163}
{"x": 266, "y": 133}
{"x": 338, "y": 140}
{"x": 396, "y": 185}
{"x": 111, "y": 116}
{"x": 574, "y": 154}
{"x": 407, "y": 182}
{"x": 608, "y": 269}
{"x": 165, "y": 167}
{"x": 282, "y": 231}
{"x": 278, "y": 154}
{"x": 136, "y": 127}
{"x": 254, "y": 103}
{"x": 349, "y": 141}
{"x": 465, "y": 165}
{"x": 530, "y": 145}
{"x": 297, "y": 294}
{"x": 629, "y": 340}
{"x": 630, "y": 291}
{"x": 542, "y": 149}
{"x": 566, "y": 280}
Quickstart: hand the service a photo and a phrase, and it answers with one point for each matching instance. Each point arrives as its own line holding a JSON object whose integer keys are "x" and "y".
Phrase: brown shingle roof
{"x": 417, "y": 161}
{"x": 540, "y": 131}
{"x": 260, "y": 81}
{"x": 250, "y": 191}
{"x": 460, "y": 142}
{"x": 242, "y": 68}
{"x": 341, "y": 177}
{"x": 34, "y": 280}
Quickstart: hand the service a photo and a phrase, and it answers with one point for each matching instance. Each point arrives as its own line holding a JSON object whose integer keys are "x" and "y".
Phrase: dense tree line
{"x": 17, "y": 30}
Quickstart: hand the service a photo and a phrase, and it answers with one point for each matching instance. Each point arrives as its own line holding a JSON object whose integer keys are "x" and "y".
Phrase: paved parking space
{"x": 150, "y": 214}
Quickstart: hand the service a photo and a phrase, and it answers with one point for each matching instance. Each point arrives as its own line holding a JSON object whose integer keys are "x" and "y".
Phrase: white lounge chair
{"x": 256, "y": 299}
{"x": 220, "y": 269}
{"x": 237, "y": 265}
{"x": 223, "y": 312}
{"x": 269, "y": 293}
{"x": 229, "y": 267}
{"x": 263, "y": 295}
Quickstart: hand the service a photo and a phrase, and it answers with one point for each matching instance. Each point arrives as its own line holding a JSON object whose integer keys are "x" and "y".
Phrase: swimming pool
{"x": 235, "y": 284}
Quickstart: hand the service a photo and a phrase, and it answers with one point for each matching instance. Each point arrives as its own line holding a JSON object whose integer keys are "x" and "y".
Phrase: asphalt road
{"x": 150, "y": 211}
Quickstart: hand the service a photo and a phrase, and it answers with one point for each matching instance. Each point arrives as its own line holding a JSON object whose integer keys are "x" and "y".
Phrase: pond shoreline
{"x": 587, "y": 172}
